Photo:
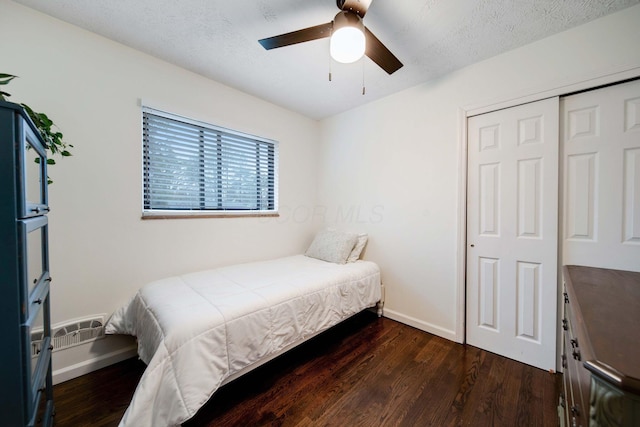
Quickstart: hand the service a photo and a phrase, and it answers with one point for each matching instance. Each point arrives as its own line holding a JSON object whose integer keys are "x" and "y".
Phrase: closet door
{"x": 512, "y": 232}
{"x": 601, "y": 177}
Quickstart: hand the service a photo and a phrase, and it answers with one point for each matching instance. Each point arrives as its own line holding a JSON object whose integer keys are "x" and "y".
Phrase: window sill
{"x": 208, "y": 214}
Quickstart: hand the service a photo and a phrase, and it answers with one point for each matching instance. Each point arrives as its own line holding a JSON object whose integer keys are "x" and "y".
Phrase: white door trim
{"x": 559, "y": 88}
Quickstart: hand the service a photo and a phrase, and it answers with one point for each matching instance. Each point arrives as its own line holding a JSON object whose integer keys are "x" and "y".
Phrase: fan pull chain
{"x": 330, "y": 60}
{"x": 363, "y": 88}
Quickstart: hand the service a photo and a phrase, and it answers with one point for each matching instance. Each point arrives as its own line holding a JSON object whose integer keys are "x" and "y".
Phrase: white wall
{"x": 101, "y": 251}
{"x": 399, "y": 157}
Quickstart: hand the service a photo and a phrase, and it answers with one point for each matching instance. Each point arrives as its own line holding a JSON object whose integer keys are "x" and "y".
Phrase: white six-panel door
{"x": 600, "y": 134}
{"x": 512, "y": 232}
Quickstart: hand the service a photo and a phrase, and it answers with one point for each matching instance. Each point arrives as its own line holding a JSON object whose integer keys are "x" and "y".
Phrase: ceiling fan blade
{"x": 380, "y": 54}
{"x": 358, "y": 6}
{"x": 300, "y": 36}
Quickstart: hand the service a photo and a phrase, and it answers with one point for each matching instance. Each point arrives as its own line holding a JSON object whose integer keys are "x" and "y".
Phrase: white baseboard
{"x": 69, "y": 372}
{"x": 420, "y": 324}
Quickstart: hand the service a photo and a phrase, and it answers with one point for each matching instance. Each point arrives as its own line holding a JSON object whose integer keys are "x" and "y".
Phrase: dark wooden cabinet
{"x": 601, "y": 348}
{"x": 26, "y": 388}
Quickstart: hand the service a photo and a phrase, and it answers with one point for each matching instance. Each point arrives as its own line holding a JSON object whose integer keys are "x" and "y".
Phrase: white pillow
{"x": 332, "y": 246}
{"x": 357, "y": 249}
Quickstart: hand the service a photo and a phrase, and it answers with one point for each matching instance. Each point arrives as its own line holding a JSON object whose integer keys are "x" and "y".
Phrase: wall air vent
{"x": 71, "y": 333}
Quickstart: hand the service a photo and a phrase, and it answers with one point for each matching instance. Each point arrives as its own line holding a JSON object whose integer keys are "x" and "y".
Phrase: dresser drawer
{"x": 578, "y": 403}
{"x": 576, "y": 377}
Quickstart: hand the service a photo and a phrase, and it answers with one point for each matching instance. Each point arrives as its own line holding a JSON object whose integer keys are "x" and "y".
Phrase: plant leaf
{"x": 6, "y": 78}
{"x": 46, "y": 120}
{"x": 53, "y": 140}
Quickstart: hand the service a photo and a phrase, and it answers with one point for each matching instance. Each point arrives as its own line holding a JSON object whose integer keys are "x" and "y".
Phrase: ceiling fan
{"x": 350, "y": 39}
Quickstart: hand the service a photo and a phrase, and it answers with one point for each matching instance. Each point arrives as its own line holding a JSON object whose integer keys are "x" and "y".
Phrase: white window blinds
{"x": 194, "y": 166}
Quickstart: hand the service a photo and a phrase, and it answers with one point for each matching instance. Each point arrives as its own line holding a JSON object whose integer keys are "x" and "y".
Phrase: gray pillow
{"x": 357, "y": 249}
{"x": 332, "y": 246}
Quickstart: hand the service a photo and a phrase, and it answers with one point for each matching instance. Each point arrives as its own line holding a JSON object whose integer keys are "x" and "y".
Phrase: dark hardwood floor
{"x": 364, "y": 372}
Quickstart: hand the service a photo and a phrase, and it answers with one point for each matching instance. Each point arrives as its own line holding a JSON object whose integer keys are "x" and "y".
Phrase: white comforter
{"x": 196, "y": 330}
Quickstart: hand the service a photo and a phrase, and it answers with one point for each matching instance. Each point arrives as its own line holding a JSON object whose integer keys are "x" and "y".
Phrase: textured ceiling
{"x": 219, "y": 39}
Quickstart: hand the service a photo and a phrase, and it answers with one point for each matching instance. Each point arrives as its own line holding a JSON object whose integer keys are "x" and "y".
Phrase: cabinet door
{"x": 35, "y": 281}
{"x": 34, "y": 270}
{"x": 32, "y": 168}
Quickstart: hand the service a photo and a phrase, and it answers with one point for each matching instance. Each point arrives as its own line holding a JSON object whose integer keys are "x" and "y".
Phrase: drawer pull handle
{"x": 39, "y": 209}
{"x": 565, "y": 325}
{"x": 574, "y": 342}
{"x": 38, "y": 301}
{"x": 564, "y": 360}
{"x": 566, "y": 298}
{"x": 576, "y": 355}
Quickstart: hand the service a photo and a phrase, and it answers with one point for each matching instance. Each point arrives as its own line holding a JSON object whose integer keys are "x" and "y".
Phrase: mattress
{"x": 196, "y": 330}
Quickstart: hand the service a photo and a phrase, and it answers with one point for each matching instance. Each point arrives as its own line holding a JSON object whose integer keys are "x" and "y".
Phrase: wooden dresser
{"x": 26, "y": 386}
{"x": 601, "y": 348}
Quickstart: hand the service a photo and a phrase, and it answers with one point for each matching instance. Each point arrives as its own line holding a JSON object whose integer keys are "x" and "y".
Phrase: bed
{"x": 201, "y": 330}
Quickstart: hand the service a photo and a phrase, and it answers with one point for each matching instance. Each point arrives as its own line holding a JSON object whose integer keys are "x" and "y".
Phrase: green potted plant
{"x": 52, "y": 137}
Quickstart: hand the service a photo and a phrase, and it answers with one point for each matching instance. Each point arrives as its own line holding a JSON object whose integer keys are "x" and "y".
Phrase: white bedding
{"x": 196, "y": 330}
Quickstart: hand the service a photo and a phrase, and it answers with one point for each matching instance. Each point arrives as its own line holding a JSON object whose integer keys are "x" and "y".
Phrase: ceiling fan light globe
{"x": 347, "y": 45}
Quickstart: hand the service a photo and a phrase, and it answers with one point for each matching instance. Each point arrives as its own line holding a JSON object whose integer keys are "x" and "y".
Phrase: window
{"x": 193, "y": 168}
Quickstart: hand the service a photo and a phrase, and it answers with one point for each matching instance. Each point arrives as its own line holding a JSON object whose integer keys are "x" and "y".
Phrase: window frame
{"x": 222, "y": 133}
